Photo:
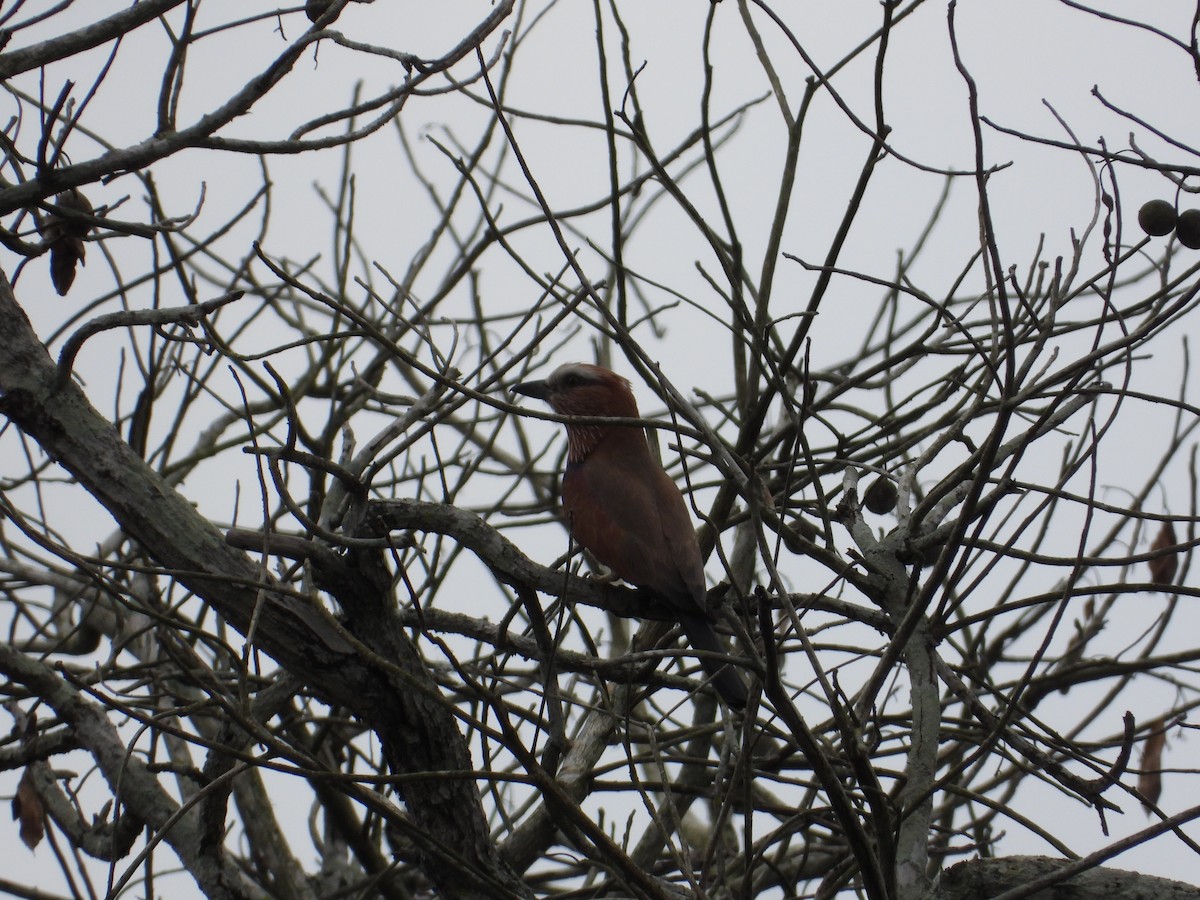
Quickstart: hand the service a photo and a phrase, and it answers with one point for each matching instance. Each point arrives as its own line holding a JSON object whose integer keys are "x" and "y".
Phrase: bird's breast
{"x": 635, "y": 522}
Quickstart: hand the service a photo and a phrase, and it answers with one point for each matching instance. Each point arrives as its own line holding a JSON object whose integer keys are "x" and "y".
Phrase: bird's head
{"x": 580, "y": 389}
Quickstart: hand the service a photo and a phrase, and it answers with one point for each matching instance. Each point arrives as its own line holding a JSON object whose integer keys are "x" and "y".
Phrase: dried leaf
{"x": 63, "y": 258}
{"x": 27, "y": 807}
{"x": 1163, "y": 568}
{"x": 65, "y": 237}
{"x": 1150, "y": 779}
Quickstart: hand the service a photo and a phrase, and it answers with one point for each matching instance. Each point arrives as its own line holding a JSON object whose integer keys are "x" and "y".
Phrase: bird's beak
{"x": 537, "y": 389}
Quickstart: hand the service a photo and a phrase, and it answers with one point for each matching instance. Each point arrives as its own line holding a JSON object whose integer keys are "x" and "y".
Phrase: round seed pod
{"x": 1187, "y": 229}
{"x": 314, "y": 9}
{"x": 880, "y": 495}
{"x": 1157, "y": 217}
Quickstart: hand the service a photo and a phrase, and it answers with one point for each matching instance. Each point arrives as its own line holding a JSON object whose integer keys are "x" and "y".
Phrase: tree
{"x": 330, "y": 582}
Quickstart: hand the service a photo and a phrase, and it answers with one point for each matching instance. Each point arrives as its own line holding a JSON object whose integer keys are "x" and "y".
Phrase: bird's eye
{"x": 572, "y": 380}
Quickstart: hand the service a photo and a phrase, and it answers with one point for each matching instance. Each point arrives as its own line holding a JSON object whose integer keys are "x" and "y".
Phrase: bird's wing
{"x": 634, "y": 520}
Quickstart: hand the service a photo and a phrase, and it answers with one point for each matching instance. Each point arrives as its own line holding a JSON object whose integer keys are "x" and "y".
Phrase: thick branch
{"x": 67, "y": 45}
{"x": 297, "y": 634}
{"x": 992, "y": 877}
{"x": 138, "y": 790}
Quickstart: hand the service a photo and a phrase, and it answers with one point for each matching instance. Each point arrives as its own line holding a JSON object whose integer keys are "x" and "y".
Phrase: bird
{"x": 621, "y": 506}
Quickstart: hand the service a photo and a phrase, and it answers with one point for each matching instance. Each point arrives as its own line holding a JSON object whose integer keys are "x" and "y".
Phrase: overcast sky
{"x": 1024, "y": 55}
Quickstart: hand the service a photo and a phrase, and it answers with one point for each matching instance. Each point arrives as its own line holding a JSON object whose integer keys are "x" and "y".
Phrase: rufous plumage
{"x": 621, "y": 506}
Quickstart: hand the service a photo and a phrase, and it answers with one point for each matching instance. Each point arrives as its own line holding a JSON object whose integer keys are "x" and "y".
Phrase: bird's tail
{"x": 725, "y": 679}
